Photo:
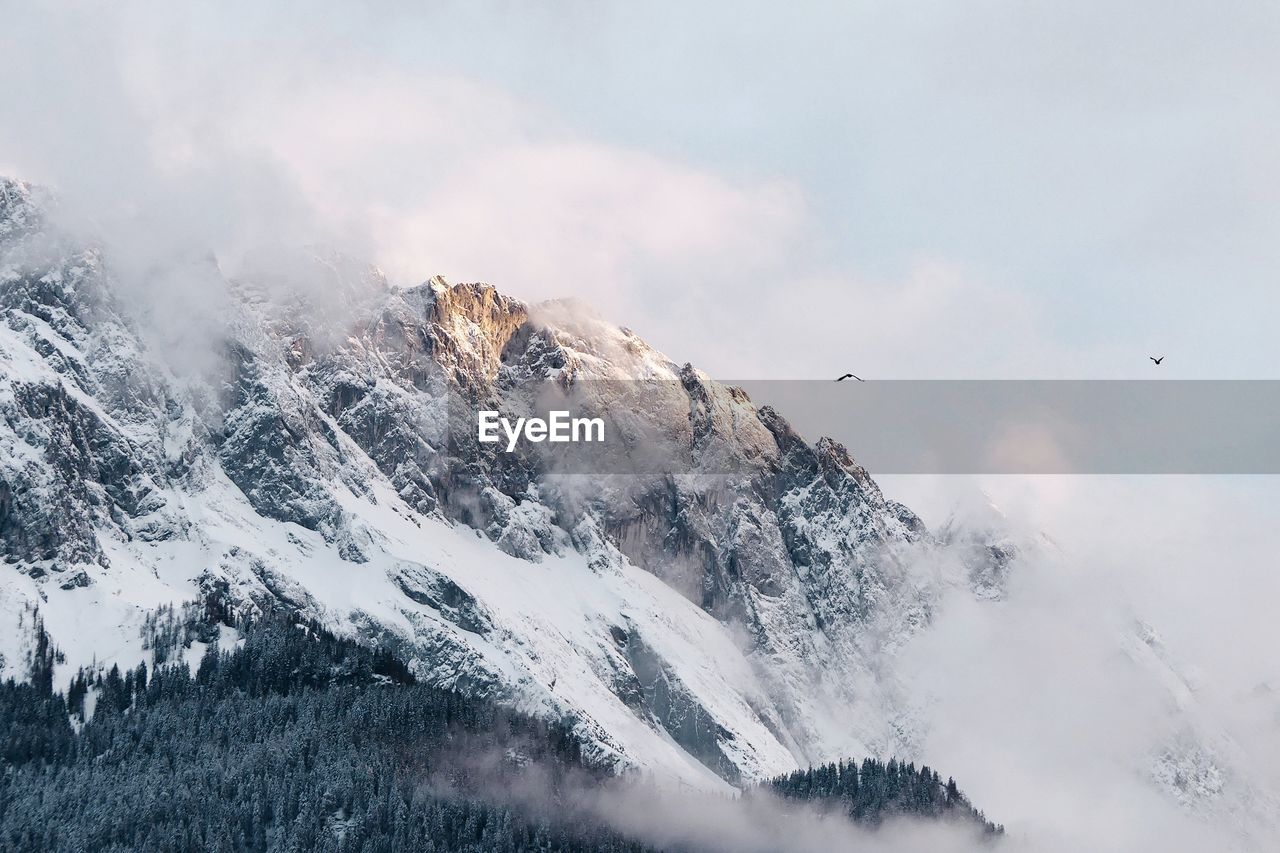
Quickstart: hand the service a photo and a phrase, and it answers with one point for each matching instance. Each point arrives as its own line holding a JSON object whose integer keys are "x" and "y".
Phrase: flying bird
{"x": 850, "y": 376}
{"x": 1156, "y": 360}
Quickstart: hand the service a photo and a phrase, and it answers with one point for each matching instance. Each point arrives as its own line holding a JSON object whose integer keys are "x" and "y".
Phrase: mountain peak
{"x": 21, "y": 207}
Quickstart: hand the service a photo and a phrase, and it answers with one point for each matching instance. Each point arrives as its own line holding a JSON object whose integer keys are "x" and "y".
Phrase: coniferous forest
{"x": 878, "y": 790}
{"x": 294, "y": 740}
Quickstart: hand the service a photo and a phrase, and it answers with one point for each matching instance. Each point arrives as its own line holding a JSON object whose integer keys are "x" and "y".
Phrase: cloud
{"x": 1118, "y": 698}
{"x": 453, "y": 177}
{"x": 666, "y": 816}
{"x": 172, "y": 135}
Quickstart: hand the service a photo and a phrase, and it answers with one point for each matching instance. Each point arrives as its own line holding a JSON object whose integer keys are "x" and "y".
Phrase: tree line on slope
{"x": 878, "y": 790}
{"x": 299, "y": 740}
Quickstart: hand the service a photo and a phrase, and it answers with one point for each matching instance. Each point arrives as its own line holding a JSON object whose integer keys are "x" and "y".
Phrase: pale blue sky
{"x": 1069, "y": 186}
{"x": 1117, "y": 161}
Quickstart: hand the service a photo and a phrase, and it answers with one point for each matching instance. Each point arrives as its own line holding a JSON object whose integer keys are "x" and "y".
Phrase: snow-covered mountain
{"x": 310, "y": 463}
{"x": 729, "y": 609}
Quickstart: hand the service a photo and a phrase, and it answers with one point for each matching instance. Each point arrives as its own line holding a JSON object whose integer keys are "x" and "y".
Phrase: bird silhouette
{"x": 1156, "y": 360}
{"x": 850, "y": 376}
